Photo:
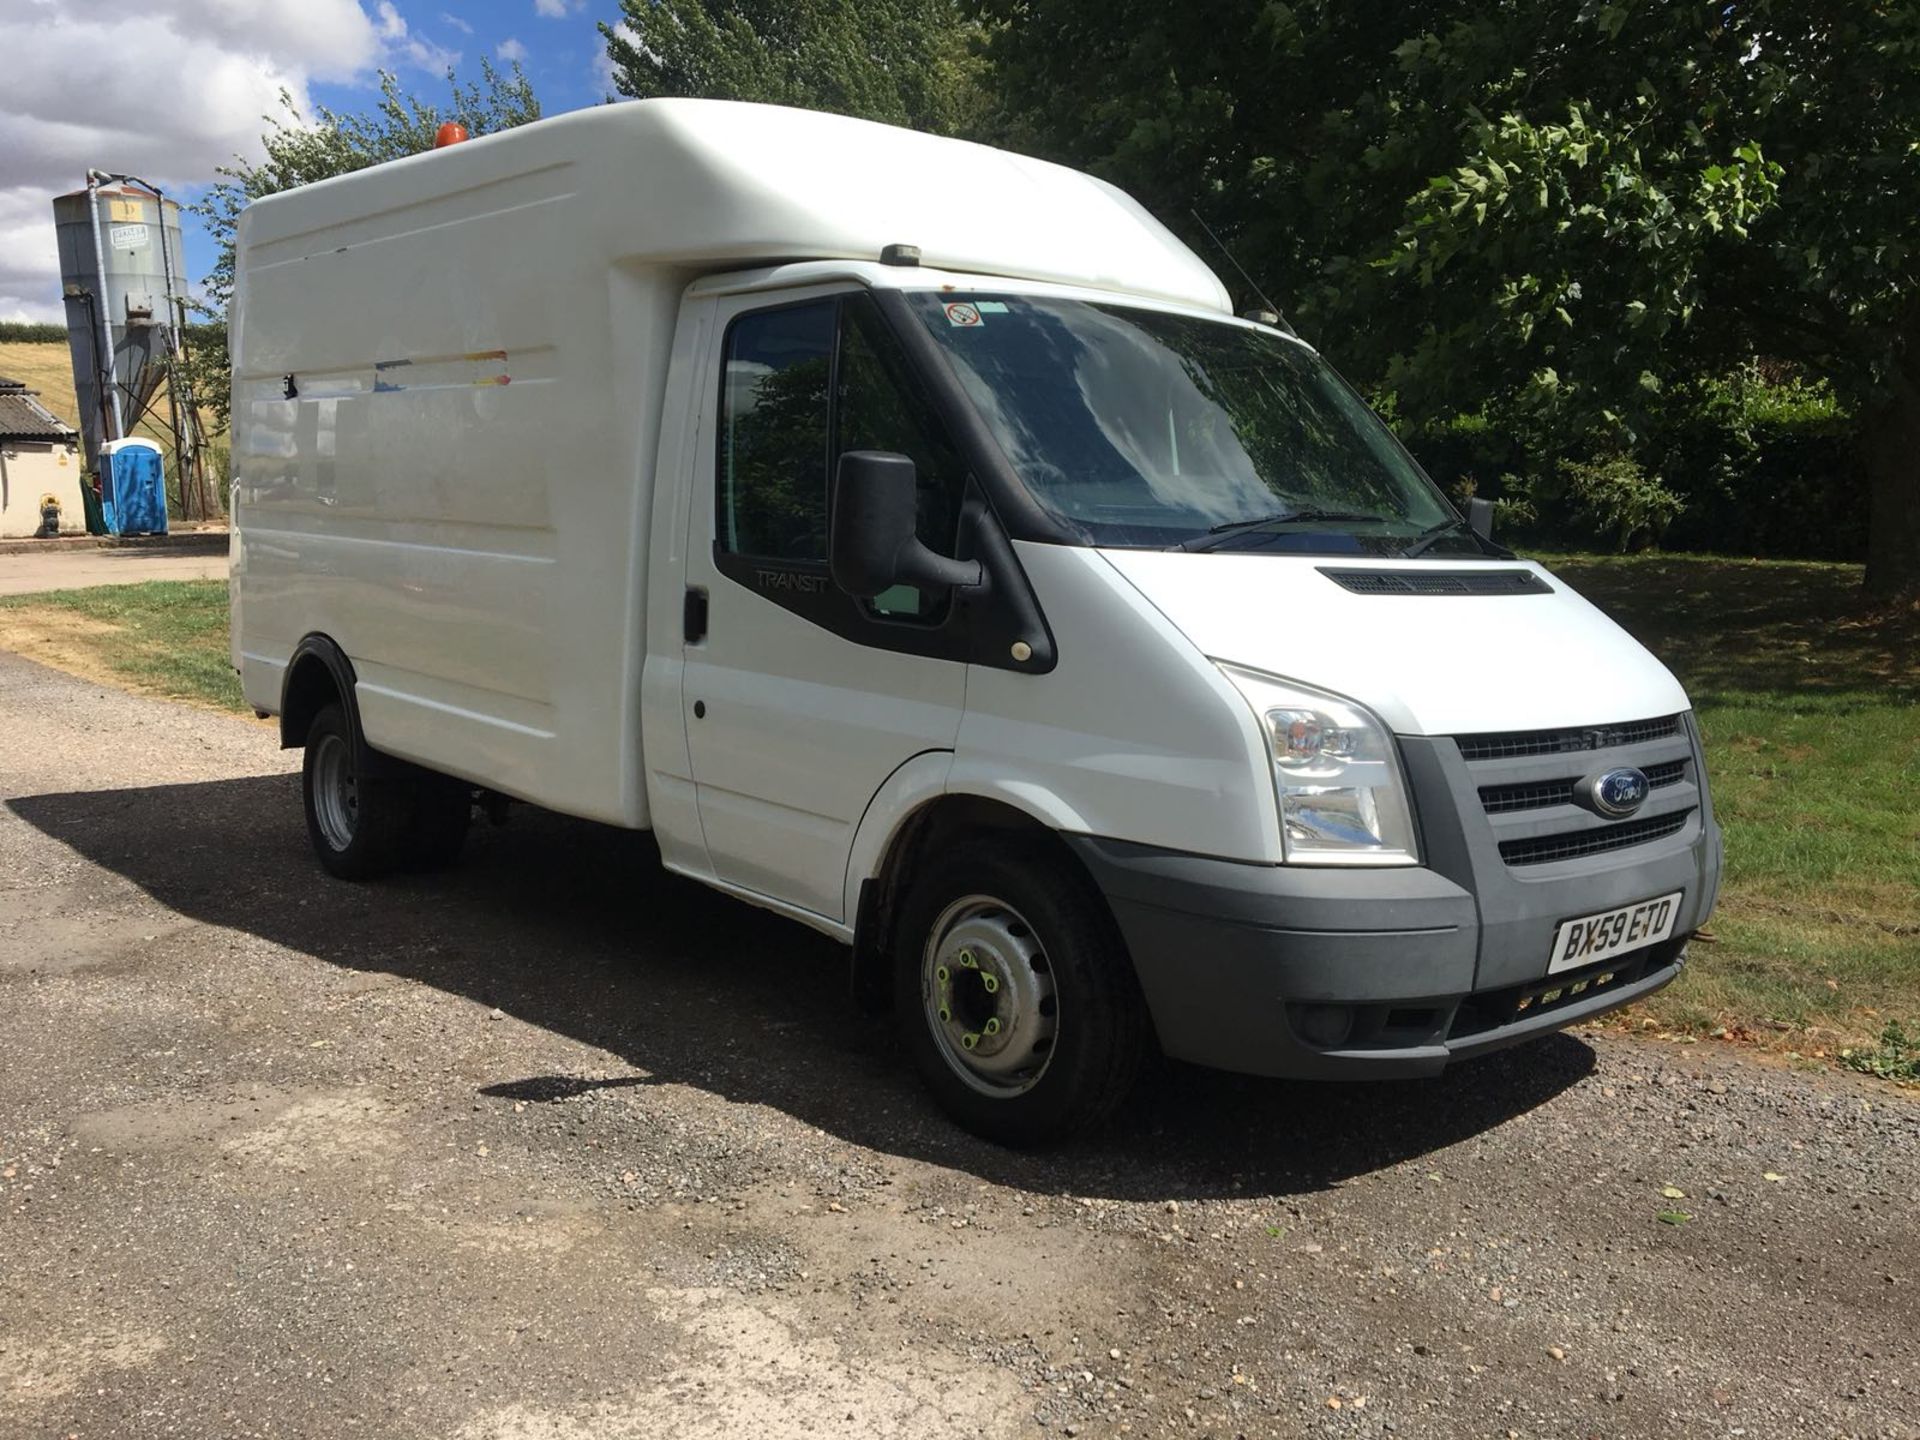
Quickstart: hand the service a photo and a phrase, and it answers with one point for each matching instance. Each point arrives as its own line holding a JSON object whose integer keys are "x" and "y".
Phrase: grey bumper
{"x": 1430, "y": 964}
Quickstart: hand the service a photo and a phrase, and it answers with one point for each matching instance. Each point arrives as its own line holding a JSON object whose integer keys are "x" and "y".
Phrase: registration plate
{"x": 1613, "y": 932}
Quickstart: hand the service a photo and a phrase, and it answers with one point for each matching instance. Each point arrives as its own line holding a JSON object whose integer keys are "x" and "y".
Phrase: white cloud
{"x": 409, "y": 48}
{"x": 512, "y": 51}
{"x": 331, "y": 39}
{"x": 603, "y": 63}
{"x": 454, "y": 21}
{"x": 28, "y": 258}
{"x": 231, "y": 59}
{"x": 550, "y": 9}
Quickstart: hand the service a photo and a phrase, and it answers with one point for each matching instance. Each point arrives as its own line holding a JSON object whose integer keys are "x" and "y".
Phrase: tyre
{"x": 1015, "y": 994}
{"x": 356, "y": 822}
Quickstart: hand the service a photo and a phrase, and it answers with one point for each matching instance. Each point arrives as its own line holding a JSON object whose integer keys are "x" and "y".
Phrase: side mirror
{"x": 872, "y": 546}
{"x": 1480, "y": 518}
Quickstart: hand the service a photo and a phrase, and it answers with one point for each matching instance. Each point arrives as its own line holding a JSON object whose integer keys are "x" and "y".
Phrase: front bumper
{"x": 1239, "y": 963}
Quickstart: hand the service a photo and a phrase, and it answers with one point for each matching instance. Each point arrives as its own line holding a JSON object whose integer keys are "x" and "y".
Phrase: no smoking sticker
{"x": 963, "y": 315}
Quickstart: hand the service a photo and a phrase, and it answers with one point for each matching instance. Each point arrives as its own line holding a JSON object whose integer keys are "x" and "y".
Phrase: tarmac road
{"x": 64, "y": 566}
{"x": 553, "y": 1147}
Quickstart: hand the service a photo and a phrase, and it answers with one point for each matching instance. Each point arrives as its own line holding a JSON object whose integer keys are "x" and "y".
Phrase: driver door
{"x": 801, "y": 700}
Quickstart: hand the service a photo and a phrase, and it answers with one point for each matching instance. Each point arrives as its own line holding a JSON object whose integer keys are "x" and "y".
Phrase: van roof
{"x": 714, "y": 185}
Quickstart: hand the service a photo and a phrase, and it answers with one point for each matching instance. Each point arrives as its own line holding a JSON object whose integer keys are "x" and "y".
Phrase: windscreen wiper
{"x": 1432, "y": 535}
{"x": 1234, "y": 527}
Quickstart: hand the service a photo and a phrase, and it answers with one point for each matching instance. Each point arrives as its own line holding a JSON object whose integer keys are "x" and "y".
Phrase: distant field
{"x": 45, "y": 368}
{"x": 48, "y": 369}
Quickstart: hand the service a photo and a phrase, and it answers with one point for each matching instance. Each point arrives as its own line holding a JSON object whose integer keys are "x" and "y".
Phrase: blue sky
{"x": 237, "y": 55}
{"x": 555, "y": 41}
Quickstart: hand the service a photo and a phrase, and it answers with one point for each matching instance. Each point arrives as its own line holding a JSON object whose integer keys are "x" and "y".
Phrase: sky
{"x": 210, "y": 70}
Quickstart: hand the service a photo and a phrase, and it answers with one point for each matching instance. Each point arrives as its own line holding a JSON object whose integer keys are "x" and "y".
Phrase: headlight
{"x": 1336, "y": 774}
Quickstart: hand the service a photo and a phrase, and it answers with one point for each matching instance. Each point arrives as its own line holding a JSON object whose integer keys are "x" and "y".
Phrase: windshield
{"x": 1141, "y": 428}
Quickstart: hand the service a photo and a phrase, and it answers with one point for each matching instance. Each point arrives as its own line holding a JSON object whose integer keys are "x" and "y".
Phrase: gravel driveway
{"x": 555, "y": 1147}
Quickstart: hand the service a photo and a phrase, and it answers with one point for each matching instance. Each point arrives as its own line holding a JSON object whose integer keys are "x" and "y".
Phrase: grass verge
{"x": 161, "y": 637}
{"x": 1809, "y": 700}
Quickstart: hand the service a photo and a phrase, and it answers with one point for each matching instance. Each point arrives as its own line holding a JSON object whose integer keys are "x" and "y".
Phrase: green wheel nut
{"x": 945, "y": 1015}
{"x": 942, "y": 975}
{"x": 969, "y": 1040}
{"x": 967, "y": 960}
{"x": 989, "y": 981}
{"x": 992, "y": 1027}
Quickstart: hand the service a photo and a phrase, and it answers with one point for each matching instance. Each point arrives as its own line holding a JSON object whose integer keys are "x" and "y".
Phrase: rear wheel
{"x": 355, "y": 821}
{"x": 1016, "y": 995}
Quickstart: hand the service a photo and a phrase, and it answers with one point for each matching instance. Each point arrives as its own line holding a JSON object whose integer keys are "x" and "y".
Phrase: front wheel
{"x": 1016, "y": 995}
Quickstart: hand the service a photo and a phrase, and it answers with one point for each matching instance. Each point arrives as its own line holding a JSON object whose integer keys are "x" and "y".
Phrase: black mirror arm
{"x": 917, "y": 565}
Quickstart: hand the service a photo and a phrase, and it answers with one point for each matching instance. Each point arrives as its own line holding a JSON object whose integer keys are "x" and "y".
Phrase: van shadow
{"x": 573, "y": 927}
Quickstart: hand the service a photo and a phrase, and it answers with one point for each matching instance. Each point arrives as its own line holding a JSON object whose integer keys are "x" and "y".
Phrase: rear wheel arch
{"x": 367, "y": 812}
{"x": 318, "y": 675}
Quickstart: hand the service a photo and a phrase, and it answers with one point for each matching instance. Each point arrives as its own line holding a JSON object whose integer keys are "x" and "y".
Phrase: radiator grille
{"x": 1502, "y": 799}
{"x": 1544, "y": 849}
{"x": 1512, "y": 745}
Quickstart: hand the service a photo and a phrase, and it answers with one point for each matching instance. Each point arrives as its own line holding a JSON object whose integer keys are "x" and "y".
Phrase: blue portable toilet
{"x": 133, "y": 487}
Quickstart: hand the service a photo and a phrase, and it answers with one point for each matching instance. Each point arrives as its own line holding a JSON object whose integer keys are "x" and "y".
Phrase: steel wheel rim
{"x": 336, "y": 792}
{"x": 987, "y": 988}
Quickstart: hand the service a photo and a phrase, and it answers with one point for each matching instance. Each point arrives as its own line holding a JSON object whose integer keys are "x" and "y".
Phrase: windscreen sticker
{"x": 963, "y": 316}
{"x": 991, "y": 307}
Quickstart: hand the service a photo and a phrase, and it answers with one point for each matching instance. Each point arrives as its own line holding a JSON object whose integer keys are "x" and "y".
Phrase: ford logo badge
{"x": 1620, "y": 792}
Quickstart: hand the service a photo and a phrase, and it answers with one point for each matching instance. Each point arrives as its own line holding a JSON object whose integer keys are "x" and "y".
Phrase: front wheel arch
{"x": 1014, "y": 993}
{"x": 938, "y": 823}
{"x": 934, "y": 827}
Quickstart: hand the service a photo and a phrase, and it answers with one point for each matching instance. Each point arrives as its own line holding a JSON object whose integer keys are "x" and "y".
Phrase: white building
{"x": 39, "y": 456}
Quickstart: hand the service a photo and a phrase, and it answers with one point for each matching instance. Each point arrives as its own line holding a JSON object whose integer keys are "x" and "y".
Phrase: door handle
{"x": 693, "y": 615}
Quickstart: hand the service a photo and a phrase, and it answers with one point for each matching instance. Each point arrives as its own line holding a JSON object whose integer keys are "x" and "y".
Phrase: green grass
{"x": 1809, "y": 701}
{"x": 162, "y": 637}
{"x": 1895, "y": 1057}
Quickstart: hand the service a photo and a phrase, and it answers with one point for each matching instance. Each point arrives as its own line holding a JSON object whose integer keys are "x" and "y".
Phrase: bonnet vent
{"x": 1438, "y": 582}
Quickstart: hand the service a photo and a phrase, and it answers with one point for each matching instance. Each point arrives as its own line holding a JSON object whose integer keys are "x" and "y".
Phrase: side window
{"x": 881, "y": 409}
{"x": 774, "y": 433}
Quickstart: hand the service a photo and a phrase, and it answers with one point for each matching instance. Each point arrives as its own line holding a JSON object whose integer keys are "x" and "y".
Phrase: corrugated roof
{"x": 24, "y": 418}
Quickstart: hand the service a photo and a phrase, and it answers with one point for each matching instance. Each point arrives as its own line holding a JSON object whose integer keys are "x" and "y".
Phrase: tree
{"x": 1559, "y": 210}
{"x": 299, "y": 152}
{"x": 905, "y": 62}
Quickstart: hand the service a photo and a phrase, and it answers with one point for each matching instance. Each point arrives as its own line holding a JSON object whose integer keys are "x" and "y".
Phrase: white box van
{"x": 910, "y": 537}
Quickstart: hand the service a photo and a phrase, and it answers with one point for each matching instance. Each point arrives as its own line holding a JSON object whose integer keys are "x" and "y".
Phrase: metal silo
{"x": 122, "y": 272}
